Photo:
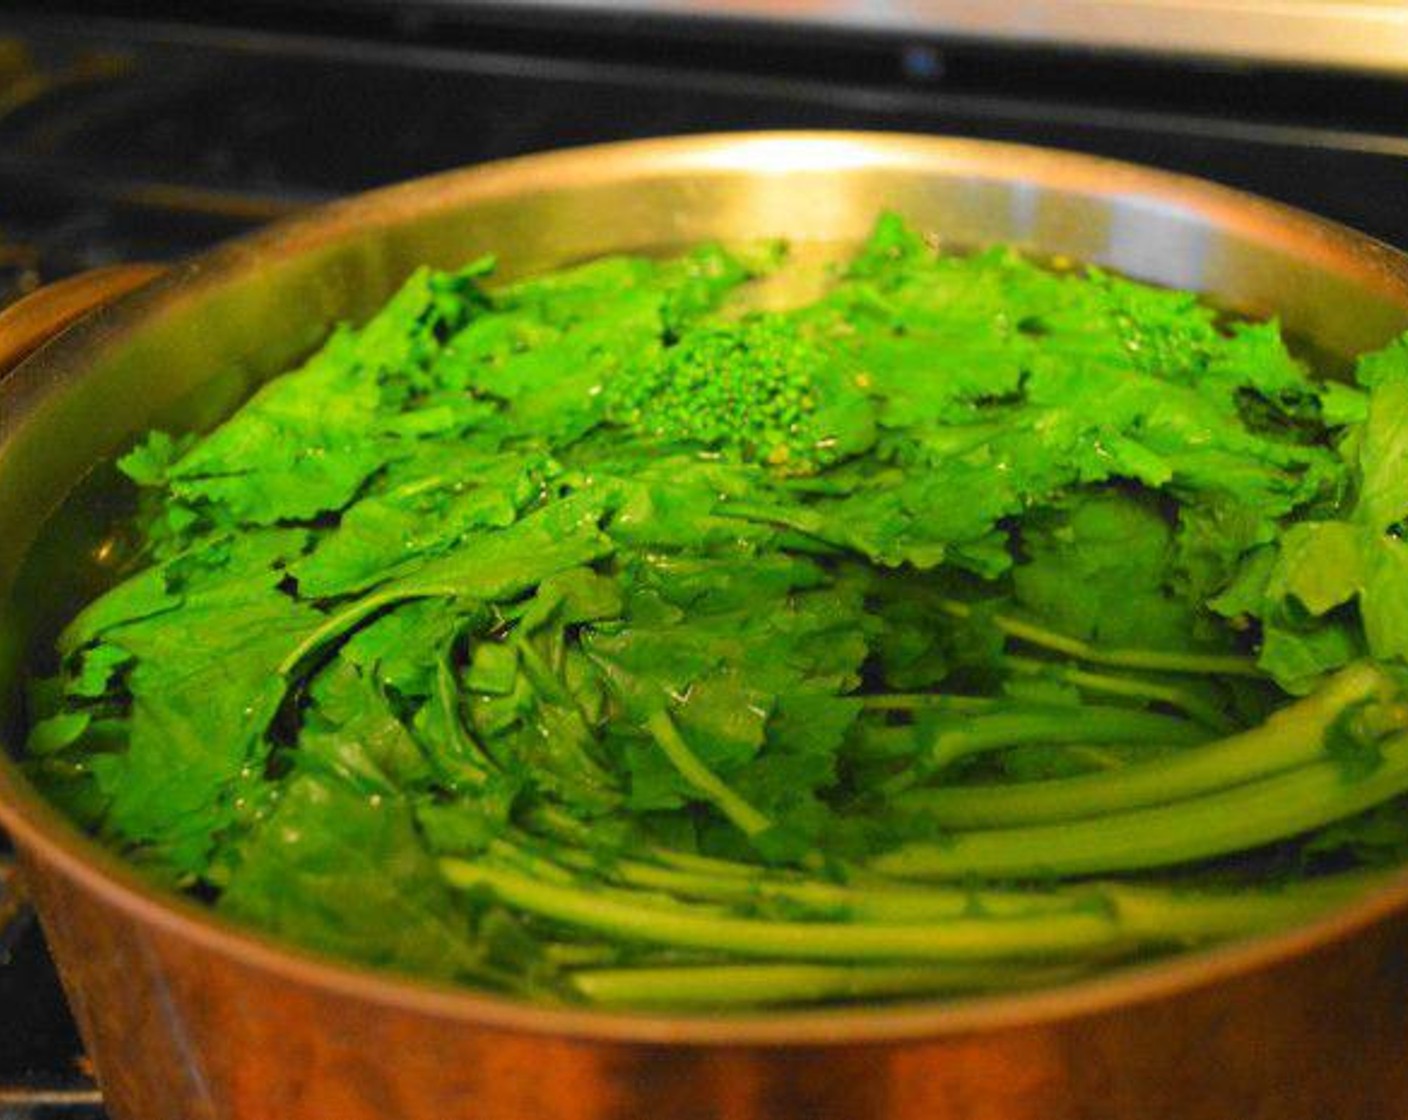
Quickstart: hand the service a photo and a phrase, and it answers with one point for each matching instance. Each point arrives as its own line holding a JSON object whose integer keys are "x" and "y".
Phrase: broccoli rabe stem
{"x": 1210, "y": 664}
{"x": 1170, "y": 916}
{"x": 1154, "y": 914}
{"x": 1232, "y": 820}
{"x": 926, "y": 701}
{"x": 709, "y": 785}
{"x": 749, "y": 985}
{"x": 1291, "y": 737}
{"x": 347, "y": 618}
{"x": 1148, "y": 918}
{"x": 646, "y": 917}
{"x": 1135, "y": 688}
{"x": 875, "y": 900}
{"x": 1120, "y": 920}
{"x": 1047, "y": 727}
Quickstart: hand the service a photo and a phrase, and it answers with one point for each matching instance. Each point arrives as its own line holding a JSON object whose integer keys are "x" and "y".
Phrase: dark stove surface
{"x": 42, "y": 1072}
{"x": 123, "y": 138}
{"x": 126, "y": 138}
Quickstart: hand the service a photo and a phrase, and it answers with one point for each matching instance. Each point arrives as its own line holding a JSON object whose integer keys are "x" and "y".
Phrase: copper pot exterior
{"x": 181, "y": 1033}
{"x": 188, "y": 1018}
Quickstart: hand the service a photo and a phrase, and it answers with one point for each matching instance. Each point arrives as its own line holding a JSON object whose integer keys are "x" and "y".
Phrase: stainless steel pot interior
{"x": 180, "y": 353}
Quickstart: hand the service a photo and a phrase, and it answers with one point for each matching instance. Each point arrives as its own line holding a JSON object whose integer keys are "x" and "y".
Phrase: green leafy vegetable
{"x": 975, "y": 625}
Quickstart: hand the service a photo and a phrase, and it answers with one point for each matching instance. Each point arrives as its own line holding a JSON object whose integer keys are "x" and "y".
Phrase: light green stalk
{"x": 708, "y": 784}
{"x": 1135, "y": 688}
{"x": 1291, "y": 737}
{"x": 1230, "y": 820}
{"x": 631, "y": 915}
{"x": 1207, "y": 664}
{"x": 748, "y": 985}
{"x": 872, "y": 901}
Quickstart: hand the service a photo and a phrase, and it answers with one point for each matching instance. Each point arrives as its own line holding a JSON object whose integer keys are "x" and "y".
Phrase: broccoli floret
{"x": 756, "y": 388}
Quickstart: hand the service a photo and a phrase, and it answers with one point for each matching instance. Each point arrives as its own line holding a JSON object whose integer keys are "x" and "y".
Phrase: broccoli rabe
{"x": 597, "y": 639}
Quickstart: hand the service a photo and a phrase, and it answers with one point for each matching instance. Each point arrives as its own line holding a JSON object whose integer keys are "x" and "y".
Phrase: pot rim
{"x": 48, "y": 840}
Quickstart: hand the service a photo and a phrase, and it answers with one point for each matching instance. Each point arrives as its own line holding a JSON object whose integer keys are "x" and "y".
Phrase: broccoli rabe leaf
{"x": 1383, "y": 456}
{"x": 201, "y": 702}
{"x": 1100, "y": 569}
{"x": 351, "y": 731}
{"x": 348, "y": 873}
{"x": 1359, "y": 558}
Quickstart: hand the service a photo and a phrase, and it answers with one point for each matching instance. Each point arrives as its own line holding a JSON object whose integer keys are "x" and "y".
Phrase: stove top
{"x": 43, "y": 1075}
{"x": 127, "y": 137}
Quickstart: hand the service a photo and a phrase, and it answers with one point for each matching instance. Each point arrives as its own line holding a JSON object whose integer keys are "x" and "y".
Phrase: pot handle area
{"x": 30, "y": 322}
{"x": 25, "y": 326}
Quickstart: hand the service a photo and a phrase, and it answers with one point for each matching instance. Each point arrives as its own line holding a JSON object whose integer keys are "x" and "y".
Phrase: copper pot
{"x": 190, "y": 1018}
